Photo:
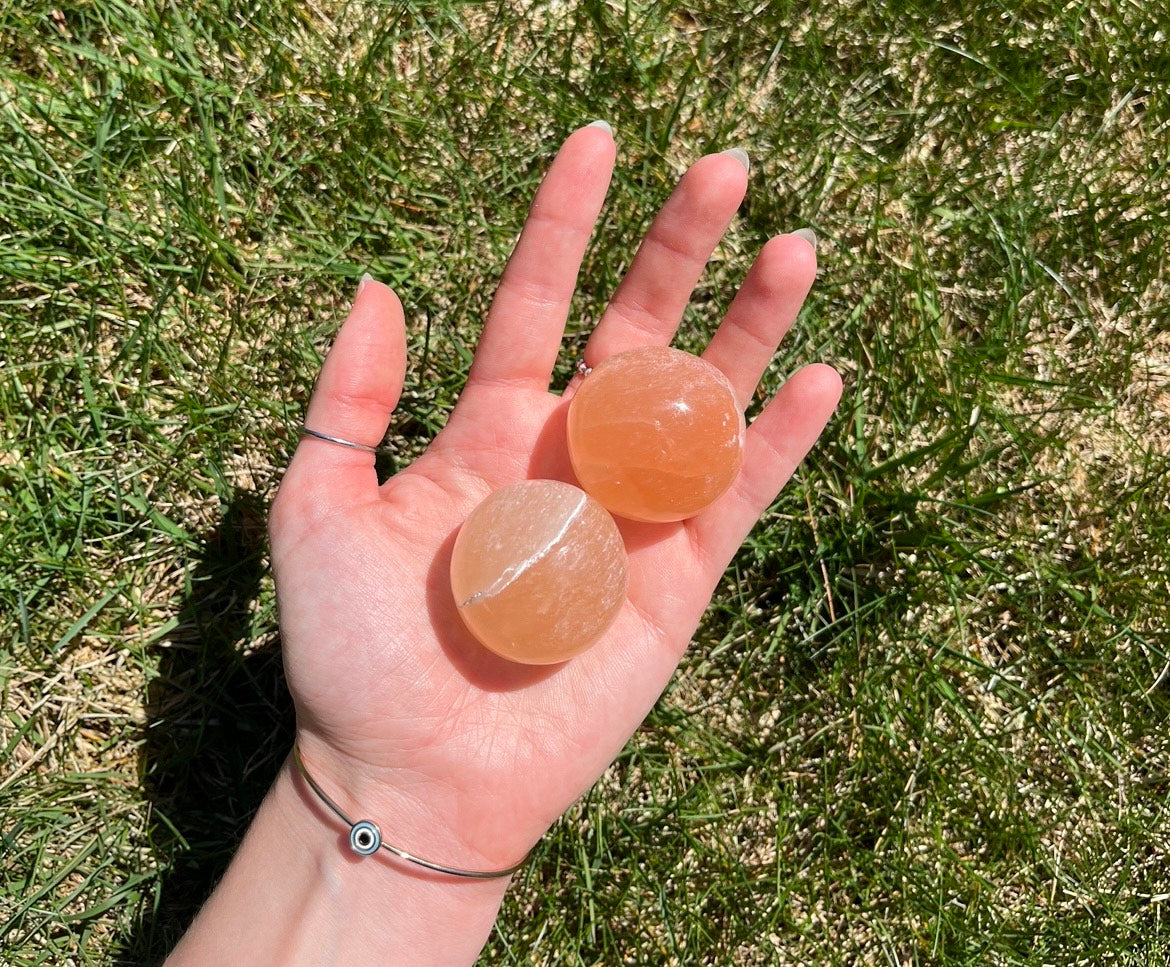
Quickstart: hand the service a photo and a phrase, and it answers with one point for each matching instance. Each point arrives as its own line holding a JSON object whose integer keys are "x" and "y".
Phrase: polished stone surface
{"x": 655, "y": 434}
{"x": 538, "y": 571}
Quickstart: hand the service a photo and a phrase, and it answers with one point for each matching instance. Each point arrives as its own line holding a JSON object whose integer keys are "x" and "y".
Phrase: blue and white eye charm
{"x": 364, "y": 838}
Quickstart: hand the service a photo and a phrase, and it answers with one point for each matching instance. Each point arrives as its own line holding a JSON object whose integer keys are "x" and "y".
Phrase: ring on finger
{"x": 325, "y": 437}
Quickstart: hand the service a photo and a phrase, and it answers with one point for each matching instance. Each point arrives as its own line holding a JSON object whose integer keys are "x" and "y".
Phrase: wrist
{"x": 296, "y": 893}
{"x": 365, "y": 835}
{"x": 458, "y": 821}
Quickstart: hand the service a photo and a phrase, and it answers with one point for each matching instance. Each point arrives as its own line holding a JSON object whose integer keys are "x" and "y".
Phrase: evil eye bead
{"x": 365, "y": 838}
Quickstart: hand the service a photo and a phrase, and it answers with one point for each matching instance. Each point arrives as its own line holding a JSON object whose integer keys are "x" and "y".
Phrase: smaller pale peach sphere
{"x": 655, "y": 434}
{"x": 538, "y": 571}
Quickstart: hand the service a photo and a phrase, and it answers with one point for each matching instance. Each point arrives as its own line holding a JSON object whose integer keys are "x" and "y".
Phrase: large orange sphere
{"x": 655, "y": 434}
{"x": 538, "y": 571}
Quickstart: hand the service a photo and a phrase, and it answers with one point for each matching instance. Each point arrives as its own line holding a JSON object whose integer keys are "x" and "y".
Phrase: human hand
{"x": 399, "y": 709}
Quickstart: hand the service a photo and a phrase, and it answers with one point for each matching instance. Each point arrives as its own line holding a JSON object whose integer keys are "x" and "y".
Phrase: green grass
{"x": 925, "y": 720}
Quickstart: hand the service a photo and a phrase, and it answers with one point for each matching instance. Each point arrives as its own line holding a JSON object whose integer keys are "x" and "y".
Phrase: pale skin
{"x": 402, "y": 717}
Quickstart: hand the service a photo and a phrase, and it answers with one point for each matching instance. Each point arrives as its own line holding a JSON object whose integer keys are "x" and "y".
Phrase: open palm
{"x": 399, "y": 709}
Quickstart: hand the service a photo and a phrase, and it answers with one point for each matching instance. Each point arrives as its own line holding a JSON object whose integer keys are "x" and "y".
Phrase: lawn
{"x": 925, "y": 720}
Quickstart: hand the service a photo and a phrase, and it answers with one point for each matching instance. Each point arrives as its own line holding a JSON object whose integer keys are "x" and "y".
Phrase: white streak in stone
{"x": 509, "y": 575}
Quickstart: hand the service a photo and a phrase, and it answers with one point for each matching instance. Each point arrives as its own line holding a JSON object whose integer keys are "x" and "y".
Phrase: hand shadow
{"x": 219, "y": 724}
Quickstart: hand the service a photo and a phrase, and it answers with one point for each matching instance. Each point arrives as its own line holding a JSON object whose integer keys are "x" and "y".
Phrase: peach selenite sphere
{"x": 655, "y": 434}
{"x": 538, "y": 571}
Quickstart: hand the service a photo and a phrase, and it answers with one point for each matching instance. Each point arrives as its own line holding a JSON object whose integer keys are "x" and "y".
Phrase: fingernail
{"x": 742, "y": 157}
{"x": 604, "y": 125}
{"x": 808, "y": 235}
{"x": 366, "y": 279}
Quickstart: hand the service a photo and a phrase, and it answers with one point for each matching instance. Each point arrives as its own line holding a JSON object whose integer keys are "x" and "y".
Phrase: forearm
{"x": 296, "y": 894}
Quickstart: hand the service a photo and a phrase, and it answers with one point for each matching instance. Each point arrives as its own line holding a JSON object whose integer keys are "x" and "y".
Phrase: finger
{"x": 522, "y": 335}
{"x": 762, "y": 312}
{"x": 355, "y": 394}
{"x": 777, "y": 440}
{"x": 649, "y": 303}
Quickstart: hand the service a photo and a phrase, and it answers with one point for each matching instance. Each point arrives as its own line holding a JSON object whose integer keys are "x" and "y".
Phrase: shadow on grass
{"x": 219, "y": 724}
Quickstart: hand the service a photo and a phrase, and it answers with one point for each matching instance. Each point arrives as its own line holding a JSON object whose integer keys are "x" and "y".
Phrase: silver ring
{"x": 305, "y": 431}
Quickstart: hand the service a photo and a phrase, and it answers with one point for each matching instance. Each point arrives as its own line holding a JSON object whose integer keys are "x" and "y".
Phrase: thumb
{"x": 359, "y": 386}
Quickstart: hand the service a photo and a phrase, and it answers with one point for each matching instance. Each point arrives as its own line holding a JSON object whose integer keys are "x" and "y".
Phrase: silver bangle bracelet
{"x": 365, "y": 838}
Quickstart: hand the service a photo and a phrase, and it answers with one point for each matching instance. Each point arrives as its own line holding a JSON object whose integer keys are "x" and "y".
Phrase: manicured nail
{"x": 742, "y": 157}
{"x": 367, "y": 278}
{"x": 604, "y": 125}
{"x": 808, "y": 235}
